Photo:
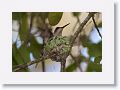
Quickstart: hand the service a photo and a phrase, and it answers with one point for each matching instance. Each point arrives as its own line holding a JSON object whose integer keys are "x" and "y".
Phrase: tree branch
{"x": 81, "y": 27}
{"x": 63, "y": 62}
{"x": 22, "y": 66}
{"x": 96, "y": 26}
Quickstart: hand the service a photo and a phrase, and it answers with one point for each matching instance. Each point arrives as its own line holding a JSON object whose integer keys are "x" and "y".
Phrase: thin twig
{"x": 22, "y": 66}
{"x": 96, "y": 27}
{"x": 43, "y": 62}
{"x": 81, "y": 28}
{"x": 63, "y": 62}
{"x": 76, "y": 35}
{"x": 75, "y": 60}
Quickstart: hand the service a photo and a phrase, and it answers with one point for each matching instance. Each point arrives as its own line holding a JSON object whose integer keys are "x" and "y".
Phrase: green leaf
{"x": 100, "y": 24}
{"x": 24, "y": 53}
{"x": 95, "y": 49}
{"x": 14, "y": 62}
{"x": 24, "y": 28}
{"x": 16, "y": 15}
{"x": 71, "y": 67}
{"x": 93, "y": 67}
{"x": 17, "y": 58}
{"x": 21, "y": 55}
{"x": 35, "y": 48}
{"x": 76, "y": 14}
{"x": 43, "y": 15}
{"x": 54, "y": 18}
{"x": 98, "y": 59}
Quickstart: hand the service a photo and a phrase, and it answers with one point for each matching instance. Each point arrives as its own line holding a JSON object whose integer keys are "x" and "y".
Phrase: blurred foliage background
{"x": 31, "y": 30}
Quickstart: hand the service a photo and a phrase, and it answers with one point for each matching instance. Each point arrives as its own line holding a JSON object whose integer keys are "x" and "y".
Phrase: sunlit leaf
{"x": 54, "y": 17}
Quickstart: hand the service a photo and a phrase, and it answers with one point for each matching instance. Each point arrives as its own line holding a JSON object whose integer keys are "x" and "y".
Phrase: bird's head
{"x": 58, "y": 30}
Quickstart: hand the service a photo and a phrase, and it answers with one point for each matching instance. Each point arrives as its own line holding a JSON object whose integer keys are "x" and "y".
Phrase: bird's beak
{"x": 58, "y": 30}
{"x": 65, "y": 25}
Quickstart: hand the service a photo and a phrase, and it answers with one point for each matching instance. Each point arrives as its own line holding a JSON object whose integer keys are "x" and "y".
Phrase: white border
{"x": 104, "y": 77}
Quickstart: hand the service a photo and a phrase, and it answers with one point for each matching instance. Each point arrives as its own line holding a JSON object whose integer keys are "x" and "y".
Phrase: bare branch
{"x": 80, "y": 29}
{"x": 96, "y": 27}
{"x": 63, "y": 65}
{"x": 22, "y": 66}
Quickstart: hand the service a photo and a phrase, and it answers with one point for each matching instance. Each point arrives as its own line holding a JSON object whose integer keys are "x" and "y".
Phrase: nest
{"x": 58, "y": 48}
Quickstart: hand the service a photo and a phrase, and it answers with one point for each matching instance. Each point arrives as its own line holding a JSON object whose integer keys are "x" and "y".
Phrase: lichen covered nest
{"x": 58, "y": 48}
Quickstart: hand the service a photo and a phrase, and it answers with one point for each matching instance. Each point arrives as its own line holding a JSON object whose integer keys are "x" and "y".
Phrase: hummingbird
{"x": 58, "y": 30}
{"x": 57, "y": 47}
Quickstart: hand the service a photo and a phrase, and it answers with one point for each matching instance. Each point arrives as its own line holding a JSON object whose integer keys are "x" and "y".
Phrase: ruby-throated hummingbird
{"x": 58, "y": 30}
